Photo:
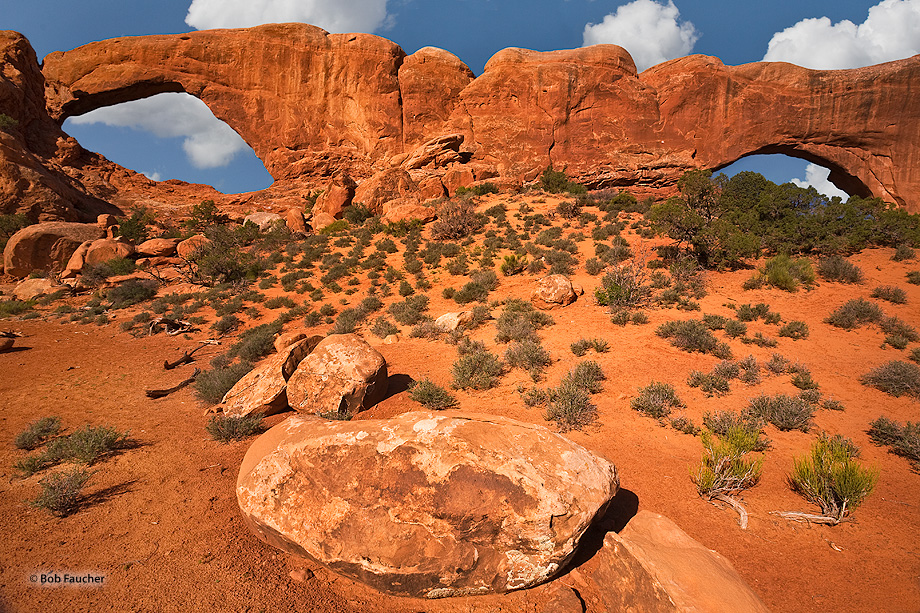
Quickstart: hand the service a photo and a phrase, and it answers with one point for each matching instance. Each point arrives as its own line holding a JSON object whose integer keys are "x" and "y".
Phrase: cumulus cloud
{"x": 331, "y": 15}
{"x": 153, "y": 176}
{"x": 650, "y": 31}
{"x": 890, "y": 32}
{"x": 817, "y": 177}
{"x": 209, "y": 142}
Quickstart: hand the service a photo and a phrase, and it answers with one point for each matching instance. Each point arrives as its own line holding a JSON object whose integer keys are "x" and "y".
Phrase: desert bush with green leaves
{"x": 432, "y": 396}
{"x": 837, "y": 268}
{"x": 902, "y": 440}
{"x": 37, "y": 433}
{"x": 657, "y": 400}
{"x": 896, "y": 378}
{"x": 228, "y": 428}
{"x": 693, "y": 335}
{"x": 61, "y": 492}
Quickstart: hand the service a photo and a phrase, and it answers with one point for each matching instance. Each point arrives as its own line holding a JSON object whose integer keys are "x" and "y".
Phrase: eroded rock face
{"x": 652, "y": 565}
{"x": 342, "y": 375}
{"x": 46, "y": 246}
{"x": 425, "y": 504}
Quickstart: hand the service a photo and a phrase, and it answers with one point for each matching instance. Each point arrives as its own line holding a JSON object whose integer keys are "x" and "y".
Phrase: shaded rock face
{"x": 425, "y": 504}
{"x": 46, "y": 246}
{"x": 343, "y": 375}
{"x": 652, "y": 565}
{"x": 357, "y": 105}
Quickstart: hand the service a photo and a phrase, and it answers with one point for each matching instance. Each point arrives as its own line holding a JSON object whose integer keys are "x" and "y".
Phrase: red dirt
{"x": 162, "y": 525}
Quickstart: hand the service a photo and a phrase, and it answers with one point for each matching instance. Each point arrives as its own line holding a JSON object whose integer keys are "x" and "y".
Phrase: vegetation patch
{"x": 896, "y": 378}
{"x": 656, "y": 400}
{"x": 902, "y": 440}
{"x": 692, "y": 335}
{"x": 227, "y": 428}
{"x": 61, "y": 492}
{"x": 836, "y": 268}
{"x": 432, "y": 396}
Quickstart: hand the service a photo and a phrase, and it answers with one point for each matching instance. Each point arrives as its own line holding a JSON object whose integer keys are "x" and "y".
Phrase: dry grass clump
{"x": 892, "y": 294}
{"x": 783, "y": 411}
{"x": 432, "y": 396}
{"x": 456, "y": 219}
{"x": 896, "y": 378}
{"x": 656, "y": 400}
{"x": 836, "y": 268}
{"x": 903, "y": 440}
{"x": 855, "y": 313}
{"x": 37, "y": 433}
{"x": 62, "y": 491}
{"x": 227, "y": 428}
{"x": 477, "y": 369}
{"x": 569, "y": 404}
{"x": 724, "y": 422}
{"x": 692, "y": 335}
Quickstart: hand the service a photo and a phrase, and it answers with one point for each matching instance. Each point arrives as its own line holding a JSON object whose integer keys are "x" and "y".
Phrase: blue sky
{"x": 172, "y": 136}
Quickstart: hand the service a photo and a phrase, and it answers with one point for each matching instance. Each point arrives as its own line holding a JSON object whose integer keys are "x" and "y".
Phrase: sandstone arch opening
{"x": 784, "y": 165}
{"x": 171, "y": 135}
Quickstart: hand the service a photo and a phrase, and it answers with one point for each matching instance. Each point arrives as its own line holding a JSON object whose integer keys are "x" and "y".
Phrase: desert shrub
{"x": 913, "y": 277}
{"x": 136, "y": 227}
{"x": 896, "y": 378}
{"x": 710, "y": 384}
{"x": 227, "y": 323}
{"x": 594, "y": 267}
{"x": 587, "y": 374}
{"x": 684, "y": 424}
{"x": 890, "y": 293}
{"x": 570, "y": 406}
{"x": 37, "y": 433}
{"x": 432, "y": 396}
{"x": 568, "y": 209}
{"x": 746, "y": 429}
{"x": 915, "y": 355}
{"x": 255, "y": 343}
{"x": 796, "y": 330}
{"x": 528, "y": 355}
{"x": 357, "y": 214}
{"x": 348, "y": 321}
{"x": 784, "y": 273}
{"x": 735, "y": 328}
{"x": 478, "y": 369}
{"x": 747, "y": 312}
{"x": 854, "y": 313}
{"x": 777, "y": 364}
{"x": 62, "y": 491}
{"x": 383, "y": 327}
{"x": 623, "y": 286}
{"x": 223, "y": 260}
{"x": 456, "y": 219}
{"x": 580, "y": 347}
{"x": 831, "y": 478}
{"x": 836, "y": 268}
{"x": 692, "y": 335}
{"x": 760, "y": 340}
{"x": 893, "y": 326}
{"x": 11, "y": 224}
{"x": 212, "y": 385}
{"x": 519, "y": 320}
{"x": 715, "y": 322}
{"x": 227, "y": 428}
{"x": 280, "y": 302}
{"x": 513, "y": 264}
{"x": 785, "y": 412}
{"x": 903, "y": 252}
{"x": 903, "y": 440}
{"x": 204, "y": 215}
{"x": 405, "y": 288}
{"x": 556, "y": 181}
{"x": 410, "y": 311}
{"x": 426, "y": 328}
{"x": 724, "y": 468}
{"x": 90, "y": 443}
{"x": 656, "y": 400}
{"x": 131, "y": 292}
{"x": 801, "y": 377}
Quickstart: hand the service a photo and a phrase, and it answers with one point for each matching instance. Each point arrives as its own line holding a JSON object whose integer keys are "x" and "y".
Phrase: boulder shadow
{"x": 622, "y": 508}
{"x": 397, "y": 384}
{"x": 16, "y": 349}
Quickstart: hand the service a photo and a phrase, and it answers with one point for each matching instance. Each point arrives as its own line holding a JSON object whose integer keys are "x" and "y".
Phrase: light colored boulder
{"x": 321, "y": 220}
{"x": 553, "y": 291}
{"x": 46, "y": 246}
{"x": 406, "y": 209}
{"x": 286, "y": 339}
{"x": 425, "y": 504}
{"x": 33, "y": 288}
{"x": 264, "y": 220}
{"x": 158, "y": 248}
{"x": 189, "y": 246}
{"x": 448, "y": 322}
{"x": 343, "y": 375}
{"x": 262, "y": 389}
{"x": 105, "y": 249}
{"x": 652, "y": 565}
{"x": 391, "y": 339}
{"x": 295, "y": 221}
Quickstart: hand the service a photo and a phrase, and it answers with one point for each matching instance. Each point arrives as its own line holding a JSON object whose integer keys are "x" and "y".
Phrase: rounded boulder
{"x": 553, "y": 291}
{"x": 425, "y": 504}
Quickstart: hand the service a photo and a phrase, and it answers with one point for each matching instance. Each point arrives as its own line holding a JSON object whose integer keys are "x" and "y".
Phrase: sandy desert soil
{"x": 161, "y": 523}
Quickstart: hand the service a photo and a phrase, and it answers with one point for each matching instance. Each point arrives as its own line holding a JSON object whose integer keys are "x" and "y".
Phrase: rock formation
{"x": 553, "y": 291}
{"x": 315, "y": 106}
{"x": 425, "y": 504}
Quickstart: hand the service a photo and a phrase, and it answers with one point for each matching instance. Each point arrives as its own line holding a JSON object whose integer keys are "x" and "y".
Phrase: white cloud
{"x": 890, "y": 32}
{"x": 331, "y": 15}
{"x": 209, "y": 142}
{"x": 651, "y": 32}
{"x": 817, "y": 177}
{"x": 153, "y": 176}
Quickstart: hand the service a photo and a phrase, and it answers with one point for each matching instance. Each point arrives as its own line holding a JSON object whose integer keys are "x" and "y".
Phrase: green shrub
{"x": 570, "y": 406}
{"x": 903, "y": 440}
{"x": 90, "y": 443}
{"x": 903, "y": 252}
{"x": 594, "y": 267}
{"x": 836, "y": 268}
{"x": 777, "y": 364}
{"x": 896, "y": 378}
{"x": 915, "y": 355}
{"x": 913, "y": 277}
{"x": 724, "y": 469}
{"x": 62, "y": 491}
{"x": 831, "y": 478}
{"x": 10, "y": 225}
{"x": 348, "y": 321}
{"x": 410, "y": 311}
{"x": 37, "y": 433}
{"x": 212, "y": 385}
{"x": 893, "y": 326}
{"x": 735, "y": 329}
{"x": 204, "y": 215}
{"x": 280, "y": 302}
{"x": 226, "y": 428}
{"x": 226, "y": 324}
{"x": 656, "y": 400}
{"x": 692, "y": 335}
{"x": 746, "y": 312}
{"x": 623, "y": 287}
{"x": 760, "y": 340}
{"x": 383, "y": 327}
{"x": 684, "y": 424}
{"x": 519, "y": 320}
{"x": 855, "y": 313}
{"x": 255, "y": 343}
{"x": 796, "y": 330}
{"x": 136, "y": 227}
{"x": 890, "y": 293}
{"x": 528, "y": 355}
{"x": 784, "y": 273}
{"x": 785, "y": 412}
{"x": 478, "y": 370}
{"x": 556, "y": 181}
{"x": 513, "y": 264}
{"x": 9, "y": 308}
{"x": 432, "y": 396}
{"x": 745, "y": 429}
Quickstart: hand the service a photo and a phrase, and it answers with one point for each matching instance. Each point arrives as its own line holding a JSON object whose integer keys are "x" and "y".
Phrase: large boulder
{"x": 187, "y": 248}
{"x": 343, "y": 375}
{"x": 264, "y": 220}
{"x": 106, "y": 249}
{"x": 33, "y": 288}
{"x": 425, "y": 504}
{"x": 652, "y": 565}
{"x": 158, "y": 247}
{"x": 553, "y": 291}
{"x": 262, "y": 389}
{"x": 46, "y": 246}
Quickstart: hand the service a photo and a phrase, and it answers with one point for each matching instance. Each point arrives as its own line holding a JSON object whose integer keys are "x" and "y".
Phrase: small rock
{"x": 301, "y": 575}
{"x": 391, "y": 339}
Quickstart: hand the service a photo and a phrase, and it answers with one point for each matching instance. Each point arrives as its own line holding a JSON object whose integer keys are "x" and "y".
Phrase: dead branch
{"x": 10, "y": 334}
{"x": 187, "y": 356}
{"x": 172, "y": 326}
{"x": 737, "y": 506}
{"x": 807, "y": 517}
{"x": 167, "y": 392}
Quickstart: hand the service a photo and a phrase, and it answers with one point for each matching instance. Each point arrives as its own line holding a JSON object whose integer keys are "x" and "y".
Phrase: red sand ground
{"x": 162, "y": 525}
